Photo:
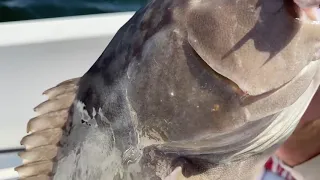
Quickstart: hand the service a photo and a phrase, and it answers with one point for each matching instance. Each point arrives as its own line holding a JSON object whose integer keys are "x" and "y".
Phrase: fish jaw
{"x": 310, "y": 15}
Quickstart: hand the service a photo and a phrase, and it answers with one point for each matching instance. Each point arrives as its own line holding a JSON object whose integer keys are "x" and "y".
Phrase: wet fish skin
{"x": 153, "y": 91}
{"x": 209, "y": 86}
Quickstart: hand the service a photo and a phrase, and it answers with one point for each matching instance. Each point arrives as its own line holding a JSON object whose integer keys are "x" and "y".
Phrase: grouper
{"x": 186, "y": 90}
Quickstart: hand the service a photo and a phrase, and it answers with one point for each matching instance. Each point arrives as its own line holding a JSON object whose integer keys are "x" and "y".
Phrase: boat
{"x": 36, "y": 55}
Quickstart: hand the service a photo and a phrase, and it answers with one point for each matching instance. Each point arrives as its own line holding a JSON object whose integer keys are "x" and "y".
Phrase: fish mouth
{"x": 304, "y": 14}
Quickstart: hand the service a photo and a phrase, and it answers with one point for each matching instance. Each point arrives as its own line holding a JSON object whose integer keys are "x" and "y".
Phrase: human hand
{"x": 304, "y": 143}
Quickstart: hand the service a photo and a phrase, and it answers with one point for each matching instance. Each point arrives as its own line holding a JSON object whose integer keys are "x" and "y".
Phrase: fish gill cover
{"x": 15, "y": 10}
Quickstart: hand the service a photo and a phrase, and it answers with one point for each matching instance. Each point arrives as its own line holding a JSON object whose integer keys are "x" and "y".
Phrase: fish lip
{"x": 306, "y": 4}
{"x": 310, "y": 15}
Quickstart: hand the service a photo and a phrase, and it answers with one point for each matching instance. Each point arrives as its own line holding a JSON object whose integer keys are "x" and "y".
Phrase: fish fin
{"x": 42, "y": 153}
{"x": 45, "y": 132}
{"x": 35, "y": 169}
{"x": 42, "y": 138}
{"x": 60, "y": 102}
{"x": 50, "y": 120}
{"x": 39, "y": 177}
{"x": 62, "y": 88}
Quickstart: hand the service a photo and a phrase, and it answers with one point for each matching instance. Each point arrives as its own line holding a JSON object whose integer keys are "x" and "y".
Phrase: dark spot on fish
{"x": 89, "y": 95}
{"x": 78, "y": 151}
{"x": 117, "y": 177}
{"x": 85, "y": 122}
{"x": 131, "y": 176}
{"x": 74, "y": 176}
{"x": 155, "y": 178}
{"x": 154, "y": 19}
{"x": 190, "y": 167}
{"x": 69, "y": 123}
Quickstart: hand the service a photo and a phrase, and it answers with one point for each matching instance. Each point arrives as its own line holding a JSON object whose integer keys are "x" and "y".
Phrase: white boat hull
{"x": 36, "y": 55}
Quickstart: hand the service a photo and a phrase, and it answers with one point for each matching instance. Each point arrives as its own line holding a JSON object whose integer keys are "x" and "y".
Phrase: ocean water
{"x": 15, "y": 10}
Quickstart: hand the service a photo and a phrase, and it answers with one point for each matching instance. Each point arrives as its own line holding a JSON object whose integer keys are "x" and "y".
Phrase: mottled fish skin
{"x": 210, "y": 86}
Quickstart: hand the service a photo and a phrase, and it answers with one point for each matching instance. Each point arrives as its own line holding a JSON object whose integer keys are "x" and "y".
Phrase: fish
{"x": 185, "y": 90}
